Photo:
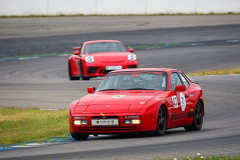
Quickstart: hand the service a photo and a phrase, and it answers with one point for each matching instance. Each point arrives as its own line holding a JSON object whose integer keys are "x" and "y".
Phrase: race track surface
{"x": 43, "y": 82}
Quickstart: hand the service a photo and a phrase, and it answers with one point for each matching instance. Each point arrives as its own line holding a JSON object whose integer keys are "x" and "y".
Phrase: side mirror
{"x": 91, "y": 90}
{"x": 77, "y": 48}
{"x": 76, "y": 52}
{"x": 180, "y": 88}
{"x": 131, "y": 50}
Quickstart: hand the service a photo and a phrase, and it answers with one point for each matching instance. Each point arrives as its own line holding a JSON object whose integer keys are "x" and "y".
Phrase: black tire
{"x": 79, "y": 136}
{"x": 197, "y": 120}
{"x": 162, "y": 122}
{"x": 82, "y": 74}
{"x": 71, "y": 77}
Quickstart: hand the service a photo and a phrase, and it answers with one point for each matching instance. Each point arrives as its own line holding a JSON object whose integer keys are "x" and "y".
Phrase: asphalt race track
{"x": 43, "y": 82}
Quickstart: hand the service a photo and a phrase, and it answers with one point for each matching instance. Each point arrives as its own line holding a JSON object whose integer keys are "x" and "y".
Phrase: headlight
{"x": 132, "y": 121}
{"x": 80, "y": 122}
{"x": 89, "y": 59}
{"x": 132, "y": 57}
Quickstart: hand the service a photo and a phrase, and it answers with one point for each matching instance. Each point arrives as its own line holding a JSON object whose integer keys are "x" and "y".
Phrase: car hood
{"x": 109, "y": 57}
{"x": 114, "y": 102}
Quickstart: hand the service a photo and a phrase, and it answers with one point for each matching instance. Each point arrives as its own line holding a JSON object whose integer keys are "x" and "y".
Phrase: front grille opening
{"x": 101, "y": 117}
{"x": 106, "y": 71}
{"x": 101, "y": 71}
{"x": 132, "y": 66}
{"x": 92, "y": 70}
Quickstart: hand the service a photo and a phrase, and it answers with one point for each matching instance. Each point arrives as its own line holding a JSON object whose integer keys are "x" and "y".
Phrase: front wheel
{"x": 162, "y": 122}
{"x": 82, "y": 74}
{"x": 198, "y": 118}
{"x": 79, "y": 136}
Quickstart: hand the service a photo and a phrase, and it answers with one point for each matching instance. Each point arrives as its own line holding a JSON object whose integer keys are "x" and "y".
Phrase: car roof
{"x": 97, "y": 41}
{"x": 149, "y": 69}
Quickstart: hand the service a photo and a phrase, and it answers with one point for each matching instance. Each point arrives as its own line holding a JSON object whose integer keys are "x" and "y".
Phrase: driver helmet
{"x": 157, "y": 80}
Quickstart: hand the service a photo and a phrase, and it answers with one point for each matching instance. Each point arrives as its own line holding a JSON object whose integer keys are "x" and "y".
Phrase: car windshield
{"x": 140, "y": 80}
{"x": 191, "y": 79}
{"x": 104, "y": 47}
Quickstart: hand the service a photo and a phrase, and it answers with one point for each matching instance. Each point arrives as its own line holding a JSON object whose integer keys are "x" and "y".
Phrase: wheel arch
{"x": 167, "y": 114}
{"x": 70, "y": 66}
{"x": 202, "y": 103}
{"x": 71, "y": 63}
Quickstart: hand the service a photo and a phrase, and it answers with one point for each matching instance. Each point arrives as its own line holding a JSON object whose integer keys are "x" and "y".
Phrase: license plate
{"x": 104, "y": 122}
{"x": 113, "y": 67}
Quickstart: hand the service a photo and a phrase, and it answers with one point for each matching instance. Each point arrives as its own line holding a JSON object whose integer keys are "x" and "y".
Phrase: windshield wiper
{"x": 139, "y": 89}
{"x": 108, "y": 89}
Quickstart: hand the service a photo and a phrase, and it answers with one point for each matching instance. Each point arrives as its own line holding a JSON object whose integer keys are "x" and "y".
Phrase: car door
{"x": 180, "y": 100}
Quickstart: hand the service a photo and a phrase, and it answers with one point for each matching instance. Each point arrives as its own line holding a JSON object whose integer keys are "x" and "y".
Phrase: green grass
{"x": 216, "y": 72}
{"x": 157, "y": 45}
{"x": 19, "y": 125}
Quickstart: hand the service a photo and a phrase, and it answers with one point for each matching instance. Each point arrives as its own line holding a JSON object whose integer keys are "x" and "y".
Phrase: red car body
{"x": 128, "y": 101}
{"x": 97, "y": 58}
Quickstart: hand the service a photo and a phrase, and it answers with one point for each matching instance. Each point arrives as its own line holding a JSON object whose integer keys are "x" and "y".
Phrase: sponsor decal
{"x": 102, "y": 114}
{"x": 175, "y": 103}
{"x": 118, "y": 96}
{"x": 183, "y": 101}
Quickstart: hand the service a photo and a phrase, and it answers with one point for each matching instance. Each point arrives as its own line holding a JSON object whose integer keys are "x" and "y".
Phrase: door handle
{"x": 186, "y": 96}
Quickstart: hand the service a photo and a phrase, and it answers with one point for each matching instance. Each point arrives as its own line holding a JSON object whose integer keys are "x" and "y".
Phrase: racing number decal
{"x": 175, "y": 103}
{"x": 183, "y": 102}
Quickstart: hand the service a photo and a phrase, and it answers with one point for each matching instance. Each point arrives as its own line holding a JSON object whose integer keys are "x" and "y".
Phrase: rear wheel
{"x": 198, "y": 118}
{"x": 79, "y": 136}
{"x": 71, "y": 77}
{"x": 162, "y": 122}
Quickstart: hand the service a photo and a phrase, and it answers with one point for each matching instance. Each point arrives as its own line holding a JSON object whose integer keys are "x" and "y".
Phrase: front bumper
{"x": 92, "y": 70}
{"x": 147, "y": 124}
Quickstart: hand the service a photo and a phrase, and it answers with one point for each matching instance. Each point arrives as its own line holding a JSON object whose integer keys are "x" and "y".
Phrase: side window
{"x": 185, "y": 82}
{"x": 175, "y": 81}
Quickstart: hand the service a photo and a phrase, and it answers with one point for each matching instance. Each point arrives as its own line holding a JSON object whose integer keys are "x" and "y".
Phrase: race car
{"x": 97, "y": 58}
{"x": 140, "y": 100}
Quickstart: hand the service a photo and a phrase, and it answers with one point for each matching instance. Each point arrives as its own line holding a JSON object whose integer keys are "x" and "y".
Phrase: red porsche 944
{"x": 97, "y": 58}
{"x": 138, "y": 100}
